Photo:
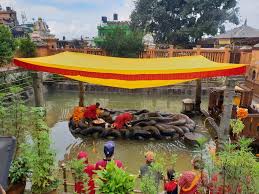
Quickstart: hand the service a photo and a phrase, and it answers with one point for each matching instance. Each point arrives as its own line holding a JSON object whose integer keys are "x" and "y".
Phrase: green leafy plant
{"x": 7, "y": 46}
{"x": 237, "y": 126}
{"x": 14, "y": 117}
{"x": 27, "y": 48}
{"x": 77, "y": 167}
{"x": 19, "y": 170}
{"x": 114, "y": 180}
{"x": 201, "y": 144}
{"x": 238, "y": 168}
{"x": 119, "y": 42}
{"x": 148, "y": 183}
{"x": 41, "y": 161}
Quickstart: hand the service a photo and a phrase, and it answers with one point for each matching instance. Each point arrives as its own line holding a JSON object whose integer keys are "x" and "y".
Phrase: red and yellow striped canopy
{"x": 130, "y": 73}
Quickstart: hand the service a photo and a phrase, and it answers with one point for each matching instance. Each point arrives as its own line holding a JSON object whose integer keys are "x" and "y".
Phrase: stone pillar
{"x": 37, "y": 78}
{"x": 81, "y": 93}
{"x": 223, "y": 130}
{"x": 198, "y": 96}
{"x": 198, "y": 86}
{"x": 171, "y": 51}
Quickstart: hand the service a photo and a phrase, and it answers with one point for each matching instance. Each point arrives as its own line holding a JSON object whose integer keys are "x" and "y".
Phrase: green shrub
{"x": 238, "y": 167}
{"x": 41, "y": 161}
{"x": 77, "y": 167}
{"x": 114, "y": 180}
{"x": 7, "y": 45}
{"x": 19, "y": 170}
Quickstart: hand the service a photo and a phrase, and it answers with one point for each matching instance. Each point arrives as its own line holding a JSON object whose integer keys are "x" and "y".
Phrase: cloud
{"x": 70, "y": 22}
{"x": 73, "y": 18}
{"x": 80, "y": 1}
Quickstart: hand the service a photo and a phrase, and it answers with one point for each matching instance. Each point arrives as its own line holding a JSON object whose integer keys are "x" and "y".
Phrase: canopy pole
{"x": 37, "y": 78}
{"x": 198, "y": 96}
{"x": 81, "y": 93}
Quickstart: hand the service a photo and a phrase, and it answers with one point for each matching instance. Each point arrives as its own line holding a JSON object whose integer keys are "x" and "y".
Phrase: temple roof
{"x": 243, "y": 31}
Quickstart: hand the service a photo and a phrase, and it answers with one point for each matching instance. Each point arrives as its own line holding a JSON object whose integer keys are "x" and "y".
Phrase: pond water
{"x": 130, "y": 152}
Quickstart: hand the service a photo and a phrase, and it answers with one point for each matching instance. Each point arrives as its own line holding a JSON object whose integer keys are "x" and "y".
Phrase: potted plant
{"x": 114, "y": 180}
{"x": 41, "y": 162}
{"x": 18, "y": 173}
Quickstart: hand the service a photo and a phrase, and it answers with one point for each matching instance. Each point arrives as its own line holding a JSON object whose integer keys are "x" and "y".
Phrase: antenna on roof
{"x": 24, "y": 18}
{"x": 245, "y": 24}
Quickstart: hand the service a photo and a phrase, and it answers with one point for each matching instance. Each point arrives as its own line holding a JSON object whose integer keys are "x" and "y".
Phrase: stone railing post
{"x": 227, "y": 55}
{"x": 151, "y": 52}
{"x": 198, "y": 50}
{"x": 171, "y": 51}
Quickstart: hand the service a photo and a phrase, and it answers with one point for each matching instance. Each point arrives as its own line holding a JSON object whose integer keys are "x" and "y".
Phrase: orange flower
{"x": 78, "y": 113}
{"x": 242, "y": 113}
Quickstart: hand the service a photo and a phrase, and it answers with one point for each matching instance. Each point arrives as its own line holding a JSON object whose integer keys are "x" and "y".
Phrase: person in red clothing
{"x": 90, "y": 112}
{"x": 89, "y": 170}
{"x": 170, "y": 186}
{"x": 191, "y": 182}
{"x": 109, "y": 153}
{"x": 122, "y": 120}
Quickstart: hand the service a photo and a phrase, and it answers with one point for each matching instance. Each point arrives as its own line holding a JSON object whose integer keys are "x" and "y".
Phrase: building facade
{"x": 8, "y": 17}
{"x": 41, "y": 35}
{"x": 107, "y": 27}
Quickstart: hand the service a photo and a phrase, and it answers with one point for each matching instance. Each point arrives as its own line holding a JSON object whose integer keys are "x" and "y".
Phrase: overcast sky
{"x": 73, "y": 18}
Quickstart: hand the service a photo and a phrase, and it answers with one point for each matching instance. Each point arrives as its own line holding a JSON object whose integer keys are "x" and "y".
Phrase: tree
{"x": 27, "y": 48}
{"x": 119, "y": 43}
{"x": 183, "y": 21}
{"x": 7, "y": 45}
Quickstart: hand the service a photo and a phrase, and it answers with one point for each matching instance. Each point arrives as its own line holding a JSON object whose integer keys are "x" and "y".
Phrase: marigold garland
{"x": 78, "y": 113}
{"x": 242, "y": 113}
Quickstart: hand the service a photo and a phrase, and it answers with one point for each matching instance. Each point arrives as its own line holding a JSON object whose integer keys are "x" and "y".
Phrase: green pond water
{"x": 130, "y": 152}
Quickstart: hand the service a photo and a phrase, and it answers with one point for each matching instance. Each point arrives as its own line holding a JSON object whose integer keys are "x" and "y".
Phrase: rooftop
{"x": 243, "y": 31}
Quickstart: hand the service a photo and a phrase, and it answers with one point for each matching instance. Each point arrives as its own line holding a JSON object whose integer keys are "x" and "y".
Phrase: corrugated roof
{"x": 243, "y": 31}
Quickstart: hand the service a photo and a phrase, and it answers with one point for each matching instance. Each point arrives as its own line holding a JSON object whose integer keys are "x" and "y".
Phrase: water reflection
{"x": 59, "y": 104}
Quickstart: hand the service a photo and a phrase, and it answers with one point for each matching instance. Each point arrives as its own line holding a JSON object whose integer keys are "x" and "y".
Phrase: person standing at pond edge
{"x": 170, "y": 185}
{"x": 109, "y": 148}
{"x": 91, "y": 112}
{"x": 146, "y": 169}
{"x": 89, "y": 170}
{"x": 191, "y": 182}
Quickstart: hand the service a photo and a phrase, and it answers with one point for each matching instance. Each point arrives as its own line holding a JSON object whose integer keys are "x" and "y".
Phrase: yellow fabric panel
{"x": 127, "y": 84}
{"x": 104, "y": 64}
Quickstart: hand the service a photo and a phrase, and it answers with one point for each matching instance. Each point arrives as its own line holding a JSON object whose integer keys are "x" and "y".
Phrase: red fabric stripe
{"x": 134, "y": 77}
